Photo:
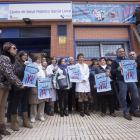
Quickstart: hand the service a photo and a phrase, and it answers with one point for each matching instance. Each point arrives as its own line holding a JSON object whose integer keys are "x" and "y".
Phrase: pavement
{"x": 75, "y": 127}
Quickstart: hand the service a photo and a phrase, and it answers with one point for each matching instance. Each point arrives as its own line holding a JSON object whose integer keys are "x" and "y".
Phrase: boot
{"x": 65, "y": 113}
{"x": 51, "y": 106}
{"x": 14, "y": 125}
{"x": 1, "y": 137}
{"x": 25, "y": 120}
{"x": 81, "y": 109}
{"x": 86, "y": 108}
{"x": 3, "y": 130}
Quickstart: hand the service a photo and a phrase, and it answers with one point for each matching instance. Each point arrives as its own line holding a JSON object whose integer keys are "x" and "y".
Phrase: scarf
{"x": 12, "y": 58}
{"x": 63, "y": 67}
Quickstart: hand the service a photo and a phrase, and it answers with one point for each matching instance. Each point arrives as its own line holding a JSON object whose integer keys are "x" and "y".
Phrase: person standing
{"x": 50, "y": 71}
{"x": 92, "y": 83}
{"x": 83, "y": 88}
{"x": 20, "y": 95}
{"x": 123, "y": 86}
{"x": 72, "y": 101}
{"x": 7, "y": 77}
{"x": 108, "y": 95}
{"x": 59, "y": 75}
{"x": 33, "y": 97}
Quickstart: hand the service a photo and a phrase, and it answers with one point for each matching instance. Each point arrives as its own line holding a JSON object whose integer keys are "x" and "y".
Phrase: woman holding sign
{"x": 20, "y": 95}
{"x": 83, "y": 87}
{"x": 33, "y": 97}
{"x": 7, "y": 77}
{"x": 108, "y": 95}
{"x": 62, "y": 84}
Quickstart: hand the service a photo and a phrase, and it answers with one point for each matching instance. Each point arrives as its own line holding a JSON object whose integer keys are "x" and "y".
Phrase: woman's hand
{"x": 37, "y": 69}
{"x": 50, "y": 89}
{"x": 54, "y": 69}
{"x": 95, "y": 86}
{"x": 70, "y": 86}
{"x": 22, "y": 86}
{"x": 84, "y": 81}
{"x": 25, "y": 63}
{"x": 107, "y": 74}
{"x": 54, "y": 87}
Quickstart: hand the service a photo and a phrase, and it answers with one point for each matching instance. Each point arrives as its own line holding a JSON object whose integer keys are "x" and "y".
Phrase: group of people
{"x": 79, "y": 96}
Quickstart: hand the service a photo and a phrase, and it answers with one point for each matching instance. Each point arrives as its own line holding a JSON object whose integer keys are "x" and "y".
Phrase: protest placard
{"x": 43, "y": 88}
{"x": 30, "y": 75}
{"x": 102, "y": 82}
{"x": 129, "y": 70}
{"x": 74, "y": 73}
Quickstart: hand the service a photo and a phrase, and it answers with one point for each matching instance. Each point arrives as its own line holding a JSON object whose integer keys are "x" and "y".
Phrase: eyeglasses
{"x": 14, "y": 48}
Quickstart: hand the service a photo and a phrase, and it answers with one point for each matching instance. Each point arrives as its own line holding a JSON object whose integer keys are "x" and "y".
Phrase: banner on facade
{"x": 30, "y": 75}
{"x": 43, "y": 88}
{"x": 103, "y": 13}
{"x": 102, "y": 82}
{"x": 75, "y": 73}
{"x": 129, "y": 70}
{"x": 36, "y": 11}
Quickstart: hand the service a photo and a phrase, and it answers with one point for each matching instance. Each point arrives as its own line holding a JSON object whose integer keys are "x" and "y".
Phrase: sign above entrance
{"x": 103, "y": 13}
{"x": 36, "y": 11}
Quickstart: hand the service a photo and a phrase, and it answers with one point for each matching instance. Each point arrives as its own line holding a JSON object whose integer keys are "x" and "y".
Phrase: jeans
{"x": 124, "y": 87}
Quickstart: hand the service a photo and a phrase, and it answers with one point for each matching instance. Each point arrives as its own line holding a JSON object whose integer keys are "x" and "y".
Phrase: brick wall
{"x": 101, "y": 33}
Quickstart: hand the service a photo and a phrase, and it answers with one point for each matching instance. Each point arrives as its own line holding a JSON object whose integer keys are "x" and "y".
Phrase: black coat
{"x": 19, "y": 72}
{"x": 100, "y": 69}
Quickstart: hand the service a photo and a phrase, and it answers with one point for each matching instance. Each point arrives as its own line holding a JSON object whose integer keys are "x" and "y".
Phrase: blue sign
{"x": 30, "y": 75}
{"x": 66, "y": 58}
{"x": 102, "y": 82}
{"x": 103, "y": 13}
{"x": 43, "y": 88}
{"x": 74, "y": 73}
{"x": 129, "y": 70}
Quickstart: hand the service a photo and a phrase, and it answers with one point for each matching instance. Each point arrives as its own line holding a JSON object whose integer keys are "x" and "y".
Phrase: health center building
{"x": 66, "y": 28}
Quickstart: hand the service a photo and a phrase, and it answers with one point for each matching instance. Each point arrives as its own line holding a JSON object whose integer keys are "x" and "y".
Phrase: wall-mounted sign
{"x": 62, "y": 40}
{"x": 103, "y": 13}
{"x": 36, "y": 11}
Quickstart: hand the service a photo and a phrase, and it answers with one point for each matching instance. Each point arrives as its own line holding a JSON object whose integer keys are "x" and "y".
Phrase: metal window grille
{"x": 100, "y": 49}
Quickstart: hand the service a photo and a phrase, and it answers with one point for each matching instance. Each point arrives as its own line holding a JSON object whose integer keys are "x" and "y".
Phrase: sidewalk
{"x": 75, "y": 127}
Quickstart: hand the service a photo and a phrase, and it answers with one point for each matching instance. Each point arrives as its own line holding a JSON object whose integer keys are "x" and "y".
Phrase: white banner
{"x": 36, "y": 11}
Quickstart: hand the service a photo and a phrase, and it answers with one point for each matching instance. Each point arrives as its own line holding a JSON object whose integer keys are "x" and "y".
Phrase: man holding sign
{"x": 116, "y": 69}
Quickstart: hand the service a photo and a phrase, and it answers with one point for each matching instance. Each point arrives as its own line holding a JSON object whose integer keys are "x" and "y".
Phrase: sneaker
{"x": 32, "y": 120}
{"x": 127, "y": 116}
{"x": 42, "y": 118}
{"x": 135, "y": 114}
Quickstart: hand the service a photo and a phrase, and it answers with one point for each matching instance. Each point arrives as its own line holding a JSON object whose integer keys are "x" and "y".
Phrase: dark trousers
{"x": 96, "y": 102}
{"x": 10, "y": 102}
{"x": 71, "y": 99}
{"x": 22, "y": 97}
{"x": 65, "y": 92}
{"x": 110, "y": 100}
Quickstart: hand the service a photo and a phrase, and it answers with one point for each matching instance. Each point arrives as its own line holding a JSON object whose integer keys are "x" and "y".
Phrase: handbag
{"x": 62, "y": 83}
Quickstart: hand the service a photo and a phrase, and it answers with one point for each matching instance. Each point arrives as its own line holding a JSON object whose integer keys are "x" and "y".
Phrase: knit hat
{"x": 7, "y": 46}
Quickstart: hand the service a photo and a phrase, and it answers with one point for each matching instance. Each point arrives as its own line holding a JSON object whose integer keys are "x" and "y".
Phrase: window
{"x": 100, "y": 49}
{"x": 61, "y": 30}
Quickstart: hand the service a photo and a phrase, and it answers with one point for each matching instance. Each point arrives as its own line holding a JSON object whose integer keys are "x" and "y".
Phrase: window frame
{"x": 125, "y": 43}
{"x": 66, "y": 30}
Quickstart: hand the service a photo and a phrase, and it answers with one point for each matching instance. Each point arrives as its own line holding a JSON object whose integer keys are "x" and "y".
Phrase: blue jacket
{"x": 114, "y": 69}
{"x": 91, "y": 77}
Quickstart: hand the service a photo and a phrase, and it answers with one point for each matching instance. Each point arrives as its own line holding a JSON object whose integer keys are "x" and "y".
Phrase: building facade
{"x": 94, "y": 28}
